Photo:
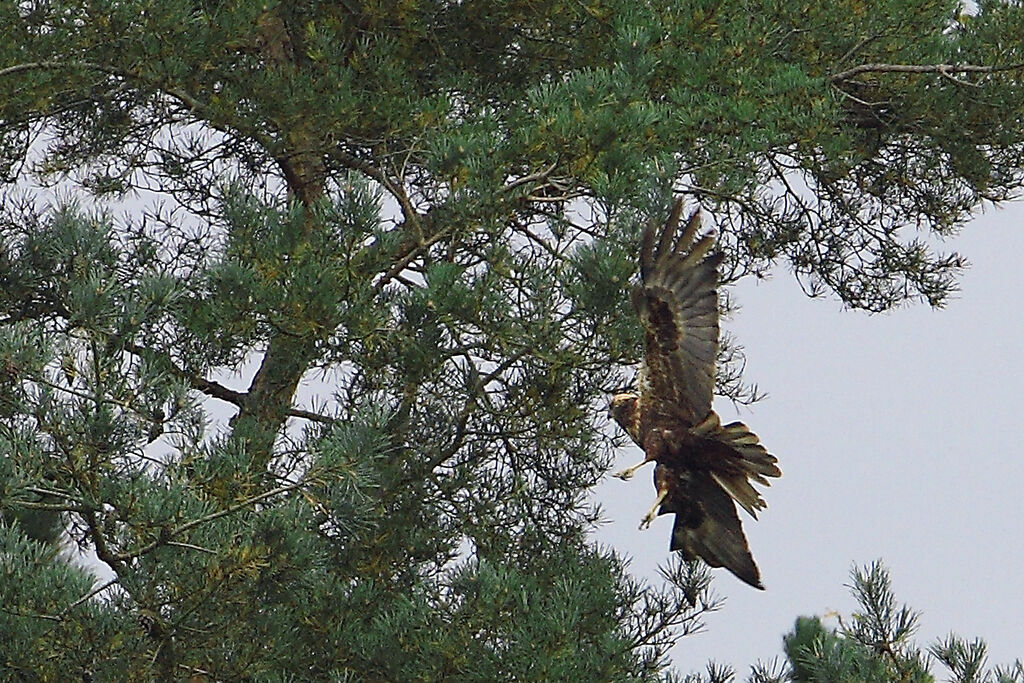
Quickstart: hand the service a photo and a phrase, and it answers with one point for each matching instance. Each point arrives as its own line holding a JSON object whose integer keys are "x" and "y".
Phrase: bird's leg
{"x": 627, "y": 474}
{"x": 653, "y": 512}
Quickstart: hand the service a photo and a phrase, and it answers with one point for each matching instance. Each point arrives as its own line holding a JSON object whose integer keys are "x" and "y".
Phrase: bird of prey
{"x": 701, "y": 466}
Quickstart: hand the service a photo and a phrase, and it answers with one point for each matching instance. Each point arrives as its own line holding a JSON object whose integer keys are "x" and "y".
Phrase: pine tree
{"x": 434, "y": 206}
{"x": 874, "y": 645}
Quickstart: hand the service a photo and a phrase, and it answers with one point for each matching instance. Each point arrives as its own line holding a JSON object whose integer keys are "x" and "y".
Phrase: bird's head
{"x": 622, "y": 409}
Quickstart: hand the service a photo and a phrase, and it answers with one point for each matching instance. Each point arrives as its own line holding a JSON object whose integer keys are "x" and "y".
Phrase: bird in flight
{"x": 702, "y": 467}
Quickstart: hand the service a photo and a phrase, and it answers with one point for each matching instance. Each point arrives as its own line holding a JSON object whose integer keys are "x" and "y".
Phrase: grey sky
{"x": 897, "y": 435}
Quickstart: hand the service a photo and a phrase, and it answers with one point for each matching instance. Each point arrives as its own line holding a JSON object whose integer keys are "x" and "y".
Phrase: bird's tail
{"x": 710, "y": 528}
{"x": 750, "y": 462}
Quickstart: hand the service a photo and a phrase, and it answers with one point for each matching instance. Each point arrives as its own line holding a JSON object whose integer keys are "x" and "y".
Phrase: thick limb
{"x": 653, "y": 512}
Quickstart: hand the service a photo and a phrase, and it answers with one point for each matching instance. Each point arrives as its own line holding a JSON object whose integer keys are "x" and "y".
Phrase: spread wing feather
{"x": 677, "y": 302}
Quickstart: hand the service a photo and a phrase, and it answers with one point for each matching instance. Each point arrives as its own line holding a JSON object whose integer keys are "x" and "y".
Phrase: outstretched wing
{"x": 677, "y": 302}
{"x": 707, "y": 526}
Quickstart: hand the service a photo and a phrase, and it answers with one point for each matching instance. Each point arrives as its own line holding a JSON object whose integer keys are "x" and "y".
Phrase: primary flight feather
{"x": 701, "y": 466}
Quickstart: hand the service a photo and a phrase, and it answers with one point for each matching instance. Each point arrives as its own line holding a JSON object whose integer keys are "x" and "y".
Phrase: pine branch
{"x": 82, "y": 600}
{"x": 177, "y": 531}
{"x": 103, "y": 551}
{"x": 408, "y": 257}
{"x": 391, "y": 185}
{"x": 51, "y": 66}
{"x": 215, "y": 390}
{"x": 180, "y": 95}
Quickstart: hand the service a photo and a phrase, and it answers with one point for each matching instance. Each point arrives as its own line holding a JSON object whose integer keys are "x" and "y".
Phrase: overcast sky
{"x": 897, "y": 435}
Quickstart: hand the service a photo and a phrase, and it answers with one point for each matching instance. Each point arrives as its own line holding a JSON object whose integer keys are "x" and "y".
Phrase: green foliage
{"x": 50, "y": 627}
{"x": 431, "y": 207}
{"x": 872, "y": 645}
{"x": 967, "y": 662}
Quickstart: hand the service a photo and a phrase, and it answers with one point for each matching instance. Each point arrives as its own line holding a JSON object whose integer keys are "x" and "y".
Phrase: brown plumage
{"x": 701, "y": 466}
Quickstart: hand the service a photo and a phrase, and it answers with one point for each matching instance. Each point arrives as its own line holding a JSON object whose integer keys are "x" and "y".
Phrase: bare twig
{"x": 218, "y": 391}
{"x": 397, "y": 191}
{"x": 539, "y": 175}
{"x": 177, "y": 531}
{"x": 194, "y": 104}
{"x": 403, "y": 262}
{"x": 91, "y": 594}
{"x": 39, "y": 491}
{"x": 921, "y": 69}
{"x": 958, "y": 81}
{"x": 56, "y": 507}
{"x": 200, "y": 548}
{"x": 34, "y": 615}
{"x": 309, "y": 415}
{"x": 52, "y": 66}
{"x": 183, "y": 97}
{"x": 558, "y": 199}
{"x": 857, "y": 48}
